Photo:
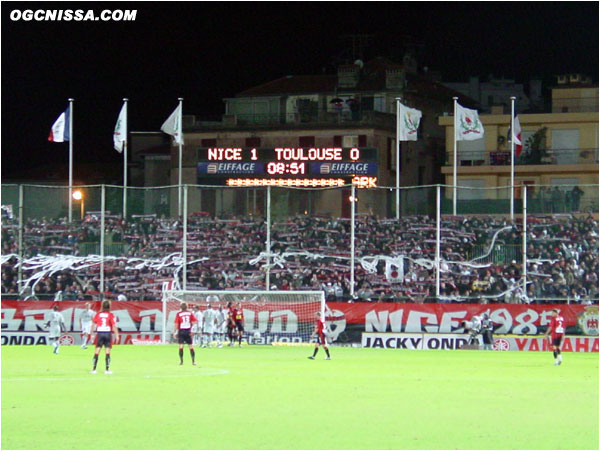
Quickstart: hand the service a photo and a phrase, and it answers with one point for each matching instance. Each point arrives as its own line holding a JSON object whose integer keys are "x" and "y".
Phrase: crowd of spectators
{"x": 562, "y": 255}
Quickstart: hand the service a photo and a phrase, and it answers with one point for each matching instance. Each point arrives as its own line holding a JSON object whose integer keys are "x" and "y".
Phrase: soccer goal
{"x": 269, "y": 316}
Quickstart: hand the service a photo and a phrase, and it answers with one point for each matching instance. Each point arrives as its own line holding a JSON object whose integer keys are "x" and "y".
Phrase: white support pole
{"x": 398, "y": 99}
{"x": 102, "y": 231}
{"x": 71, "y": 159}
{"x": 179, "y": 210}
{"x": 352, "y": 238}
{"x": 454, "y": 175}
{"x": 164, "y": 319}
{"x": 268, "y": 243}
{"x": 20, "y": 243}
{"x": 184, "y": 241}
{"x": 438, "y": 227}
{"x": 512, "y": 158}
{"x": 525, "y": 240}
{"x": 125, "y": 144}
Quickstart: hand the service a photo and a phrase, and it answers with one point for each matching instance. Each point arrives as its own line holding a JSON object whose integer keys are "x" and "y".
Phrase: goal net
{"x": 269, "y": 316}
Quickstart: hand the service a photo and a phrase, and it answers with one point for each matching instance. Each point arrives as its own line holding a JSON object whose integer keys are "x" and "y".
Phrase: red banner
{"x": 519, "y": 319}
{"x": 142, "y": 321}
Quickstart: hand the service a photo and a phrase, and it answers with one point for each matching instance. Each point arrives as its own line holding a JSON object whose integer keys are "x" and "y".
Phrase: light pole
{"x": 78, "y": 195}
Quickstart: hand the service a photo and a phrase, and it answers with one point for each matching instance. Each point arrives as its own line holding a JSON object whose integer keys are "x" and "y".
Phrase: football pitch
{"x": 267, "y": 397}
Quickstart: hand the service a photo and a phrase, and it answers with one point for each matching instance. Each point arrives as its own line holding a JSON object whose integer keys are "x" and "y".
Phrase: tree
{"x": 534, "y": 148}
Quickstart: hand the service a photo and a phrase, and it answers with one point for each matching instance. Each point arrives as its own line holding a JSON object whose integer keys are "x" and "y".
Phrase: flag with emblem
{"x": 394, "y": 270}
{"x": 172, "y": 126}
{"x": 408, "y": 123}
{"x": 468, "y": 125}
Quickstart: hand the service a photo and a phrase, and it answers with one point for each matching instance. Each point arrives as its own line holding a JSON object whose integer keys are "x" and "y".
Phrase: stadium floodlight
{"x": 278, "y": 316}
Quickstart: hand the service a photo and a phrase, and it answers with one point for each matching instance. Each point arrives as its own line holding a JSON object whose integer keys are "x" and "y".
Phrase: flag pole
{"x": 512, "y": 158}
{"x": 180, "y": 131}
{"x": 71, "y": 159}
{"x": 398, "y": 157}
{"x": 438, "y": 222}
{"x": 352, "y": 240}
{"x": 454, "y": 160}
{"x": 125, "y": 100}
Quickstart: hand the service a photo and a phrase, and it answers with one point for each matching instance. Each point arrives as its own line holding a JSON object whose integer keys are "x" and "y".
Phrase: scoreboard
{"x": 288, "y": 166}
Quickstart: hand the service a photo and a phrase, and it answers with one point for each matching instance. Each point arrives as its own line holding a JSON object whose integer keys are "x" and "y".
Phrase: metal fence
{"x": 370, "y": 244}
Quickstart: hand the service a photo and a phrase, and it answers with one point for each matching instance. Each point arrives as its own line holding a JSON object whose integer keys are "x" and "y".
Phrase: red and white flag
{"x": 516, "y": 136}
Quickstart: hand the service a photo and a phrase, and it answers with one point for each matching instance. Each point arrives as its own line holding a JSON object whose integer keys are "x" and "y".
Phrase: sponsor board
{"x": 344, "y": 168}
{"x": 456, "y": 341}
{"x": 414, "y": 341}
{"x": 230, "y": 168}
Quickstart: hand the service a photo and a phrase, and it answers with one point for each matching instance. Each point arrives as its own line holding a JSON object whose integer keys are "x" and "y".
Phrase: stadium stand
{"x": 562, "y": 257}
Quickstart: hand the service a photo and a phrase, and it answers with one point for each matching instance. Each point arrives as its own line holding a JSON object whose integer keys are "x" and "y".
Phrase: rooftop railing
{"x": 547, "y": 157}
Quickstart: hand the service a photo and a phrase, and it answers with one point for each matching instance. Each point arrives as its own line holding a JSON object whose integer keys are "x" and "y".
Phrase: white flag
{"x": 468, "y": 125}
{"x": 172, "y": 126}
{"x": 120, "y": 134}
{"x": 394, "y": 270}
{"x": 408, "y": 123}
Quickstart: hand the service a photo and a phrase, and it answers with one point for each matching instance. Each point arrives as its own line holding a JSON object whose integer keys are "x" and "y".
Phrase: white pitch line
{"x": 203, "y": 372}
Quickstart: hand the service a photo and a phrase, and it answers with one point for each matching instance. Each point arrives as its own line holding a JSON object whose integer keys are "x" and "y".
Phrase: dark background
{"x": 207, "y": 51}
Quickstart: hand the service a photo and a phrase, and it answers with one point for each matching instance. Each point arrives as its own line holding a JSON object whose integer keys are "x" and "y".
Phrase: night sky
{"x": 207, "y": 51}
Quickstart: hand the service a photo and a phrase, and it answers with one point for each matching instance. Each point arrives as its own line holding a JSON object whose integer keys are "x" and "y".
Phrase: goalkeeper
{"x": 320, "y": 330}
{"x": 474, "y": 329}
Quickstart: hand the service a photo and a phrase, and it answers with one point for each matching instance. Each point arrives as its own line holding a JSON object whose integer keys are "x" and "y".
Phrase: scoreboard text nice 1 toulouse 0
{"x": 289, "y": 166}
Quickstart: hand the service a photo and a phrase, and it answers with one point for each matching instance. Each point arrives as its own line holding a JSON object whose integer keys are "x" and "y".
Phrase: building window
{"x": 367, "y": 103}
{"x": 253, "y": 142}
{"x": 565, "y": 145}
{"x": 354, "y": 141}
{"x": 471, "y": 153}
{"x": 306, "y": 141}
{"x": 421, "y": 176}
{"x": 464, "y": 193}
{"x": 379, "y": 104}
{"x": 350, "y": 141}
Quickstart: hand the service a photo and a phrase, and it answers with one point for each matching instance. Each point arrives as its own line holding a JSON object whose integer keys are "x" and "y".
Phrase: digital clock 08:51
{"x": 280, "y": 168}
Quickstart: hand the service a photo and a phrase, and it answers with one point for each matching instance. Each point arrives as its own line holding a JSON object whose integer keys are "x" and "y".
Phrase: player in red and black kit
{"x": 230, "y": 322}
{"x": 104, "y": 324}
{"x": 557, "y": 328}
{"x": 238, "y": 317}
{"x": 184, "y": 321}
{"x": 319, "y": 331}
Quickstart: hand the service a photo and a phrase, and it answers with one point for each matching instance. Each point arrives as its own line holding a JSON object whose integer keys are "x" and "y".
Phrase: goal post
{"x": 278, "y": 316}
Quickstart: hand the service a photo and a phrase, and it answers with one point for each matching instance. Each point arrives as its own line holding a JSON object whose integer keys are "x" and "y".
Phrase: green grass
{"x": 263, "y": 397}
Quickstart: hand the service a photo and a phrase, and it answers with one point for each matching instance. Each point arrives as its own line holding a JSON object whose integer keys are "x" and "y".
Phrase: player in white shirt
{"x": 197, "y": 326}
{"x": 208, "y": 326}
{"x": 56, "y": 324}
{"x": 86, "y": 318}
{"x": 221, "y": 325}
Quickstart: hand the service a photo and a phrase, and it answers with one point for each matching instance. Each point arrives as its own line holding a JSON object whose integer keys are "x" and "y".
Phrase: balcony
{"x": 316, "y": 118}
{"x": 575, "y": 105}
{"x": 502, "y": 158}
